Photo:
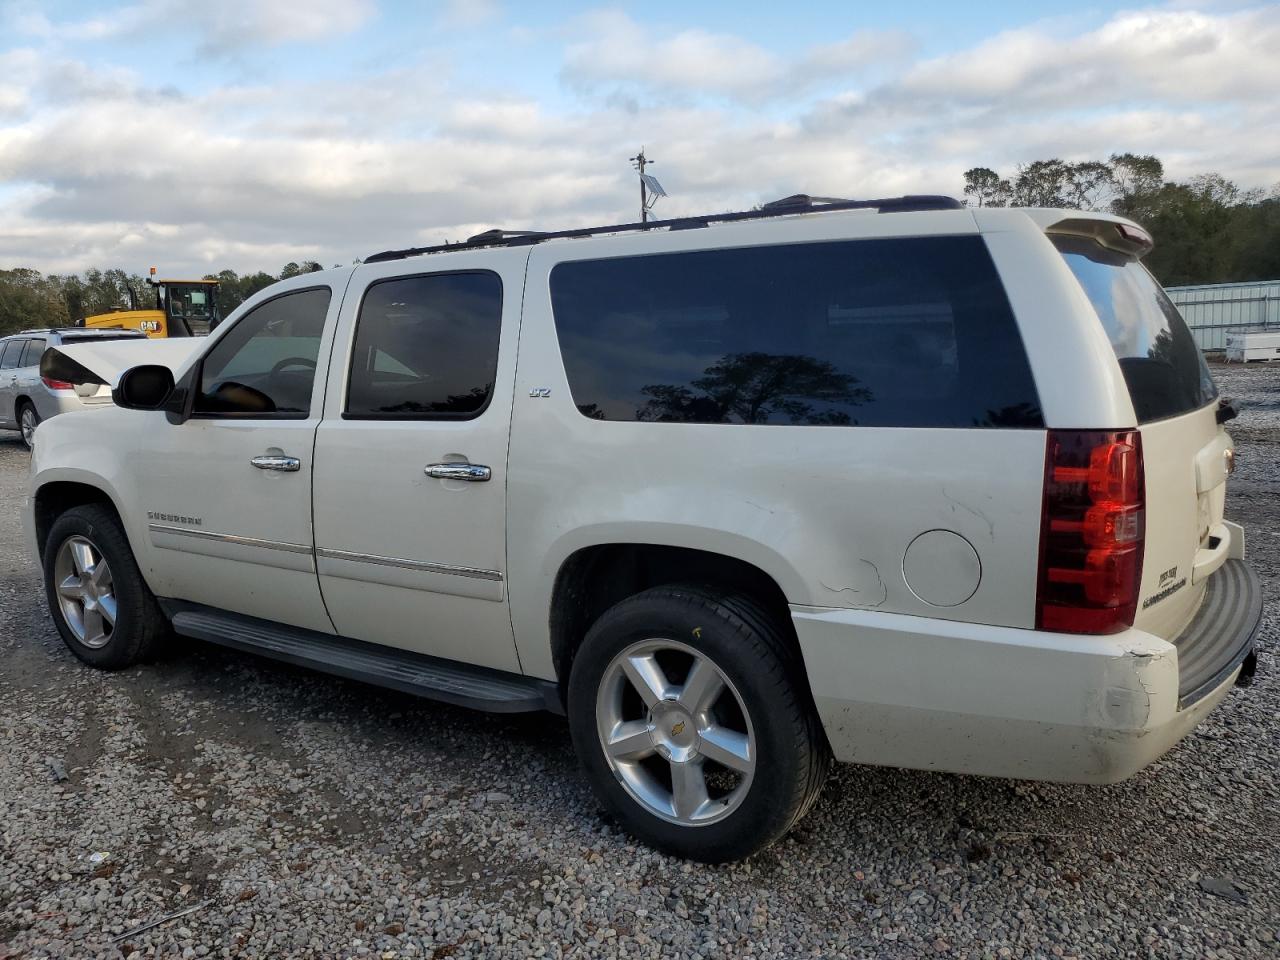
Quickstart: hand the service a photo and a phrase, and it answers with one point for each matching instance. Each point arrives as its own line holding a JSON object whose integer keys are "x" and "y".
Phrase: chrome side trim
{"x": 230, "y": 538}
{"x": 421, "y": 566}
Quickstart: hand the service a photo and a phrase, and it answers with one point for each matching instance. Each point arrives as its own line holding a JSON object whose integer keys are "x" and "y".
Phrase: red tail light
{"x": 1092, "y": 530}
{"x": 57, "y": 384}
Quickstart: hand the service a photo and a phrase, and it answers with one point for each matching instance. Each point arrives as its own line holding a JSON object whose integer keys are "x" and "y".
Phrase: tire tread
{"x": 148, "y": 626}
{"x": 764, "y": 644}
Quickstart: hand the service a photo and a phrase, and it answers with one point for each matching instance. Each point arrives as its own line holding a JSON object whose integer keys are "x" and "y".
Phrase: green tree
{"x": 1206, "y": 229}
{"x": 234, "y": 289}
{"x": 986, "y": 187}
{"x": 1136, "y": 176}
{"x": 1090, "y": 185}
{"x": 28, "y": 300}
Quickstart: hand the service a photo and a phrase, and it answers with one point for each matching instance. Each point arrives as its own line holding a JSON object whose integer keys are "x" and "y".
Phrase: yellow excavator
{"x": 184, "y": 308}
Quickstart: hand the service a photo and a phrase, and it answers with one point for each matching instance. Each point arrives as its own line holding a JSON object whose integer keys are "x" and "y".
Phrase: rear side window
{"x": 31, "y": 353}
{"x": 12, "y": 354}
{"x": 1163, "y": 368}
{"x": 881, "y": 333}
{"x": 426, "y": 347}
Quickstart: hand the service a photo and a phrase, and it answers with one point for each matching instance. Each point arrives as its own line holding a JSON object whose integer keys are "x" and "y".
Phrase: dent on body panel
{"x": 1135, "y": 697}
{"x": 866, "y": 589}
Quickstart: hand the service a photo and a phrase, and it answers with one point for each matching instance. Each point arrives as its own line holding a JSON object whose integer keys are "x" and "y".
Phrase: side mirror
{"x": 145, "y": 387}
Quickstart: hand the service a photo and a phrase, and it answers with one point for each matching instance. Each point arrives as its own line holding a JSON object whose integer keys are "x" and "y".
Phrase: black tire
{"x": 792, "y": 757}
{"x": 25, "y": 407}
{"x": 140, "y": 625}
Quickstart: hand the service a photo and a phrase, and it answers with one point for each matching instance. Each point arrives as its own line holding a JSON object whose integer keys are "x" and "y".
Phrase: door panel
{"x": 10, "y": 355}
{"x": 228, "y": 531}
{"x": 227, "y": 534}
{"x": 421, "y": 376}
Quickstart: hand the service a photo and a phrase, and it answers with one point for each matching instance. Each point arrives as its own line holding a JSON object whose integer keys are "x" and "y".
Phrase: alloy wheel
{"x": 86, "y": 592}
{"x": 675, "y": 732}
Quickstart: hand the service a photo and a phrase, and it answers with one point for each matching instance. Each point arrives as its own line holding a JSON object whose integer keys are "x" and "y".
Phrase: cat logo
{"x": 149, "y": 326}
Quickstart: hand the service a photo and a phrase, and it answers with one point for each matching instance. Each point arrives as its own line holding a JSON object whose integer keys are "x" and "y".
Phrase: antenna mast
{"x": 650, "y": 189}
{"x": 640, "y": 161}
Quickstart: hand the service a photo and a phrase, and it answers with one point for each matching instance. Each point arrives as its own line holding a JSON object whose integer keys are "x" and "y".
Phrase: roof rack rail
{"x": 797, "y": 203}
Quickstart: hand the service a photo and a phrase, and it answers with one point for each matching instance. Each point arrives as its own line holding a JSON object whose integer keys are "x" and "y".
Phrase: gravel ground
{"x": 303, "y": 816}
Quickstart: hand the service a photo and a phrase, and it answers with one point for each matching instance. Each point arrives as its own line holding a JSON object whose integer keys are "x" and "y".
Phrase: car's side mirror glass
{"x": 146, "y": 387}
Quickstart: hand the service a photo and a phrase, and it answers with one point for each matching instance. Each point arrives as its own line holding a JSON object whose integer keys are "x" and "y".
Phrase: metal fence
{"x": 1212, "y": 309}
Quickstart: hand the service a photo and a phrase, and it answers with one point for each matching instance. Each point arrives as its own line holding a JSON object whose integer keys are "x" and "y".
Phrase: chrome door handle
{"x": 276, "y": 462}
{"x": 473, "y": 472}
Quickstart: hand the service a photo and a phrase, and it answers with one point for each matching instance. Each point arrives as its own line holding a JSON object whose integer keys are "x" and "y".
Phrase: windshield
{"x": 1163, "y": 368}
{"x": 193, "y": 306}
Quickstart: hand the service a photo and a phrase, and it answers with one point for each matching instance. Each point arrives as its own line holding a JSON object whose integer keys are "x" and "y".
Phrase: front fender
{"x": 88, "y": 449}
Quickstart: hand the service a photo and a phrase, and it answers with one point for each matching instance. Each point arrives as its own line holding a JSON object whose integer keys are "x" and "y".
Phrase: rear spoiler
{"x": 1115, "y": 233}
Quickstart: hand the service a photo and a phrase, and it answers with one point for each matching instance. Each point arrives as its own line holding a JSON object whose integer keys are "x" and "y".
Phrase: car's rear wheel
{"x": 28, "y": 420}
{"x": 691, "y": 715}
{"x": 100, "y": 604}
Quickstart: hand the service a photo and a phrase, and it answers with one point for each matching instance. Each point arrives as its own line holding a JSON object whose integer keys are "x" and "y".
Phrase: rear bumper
{"x": 1221, "y": 635}
{"x": 50, "y": 403}
{"x": 935, "y": 694}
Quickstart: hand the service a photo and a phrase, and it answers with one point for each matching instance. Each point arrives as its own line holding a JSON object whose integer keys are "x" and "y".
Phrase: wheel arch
{"x": 594, "y": 578}
{"x": 55, "y": 497}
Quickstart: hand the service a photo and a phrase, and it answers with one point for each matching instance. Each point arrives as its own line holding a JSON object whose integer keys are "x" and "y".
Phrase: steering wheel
{"x": 292, "y": 362}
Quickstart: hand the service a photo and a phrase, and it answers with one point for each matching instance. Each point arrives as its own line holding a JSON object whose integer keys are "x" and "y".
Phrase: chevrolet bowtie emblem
{"x": 677, "y": 729}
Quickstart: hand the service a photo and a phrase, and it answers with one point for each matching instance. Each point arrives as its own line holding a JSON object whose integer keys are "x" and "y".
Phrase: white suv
{"x": 894, "y": 482}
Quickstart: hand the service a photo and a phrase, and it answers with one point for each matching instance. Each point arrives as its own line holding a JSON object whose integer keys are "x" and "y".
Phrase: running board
{"x": 479, "y": 688}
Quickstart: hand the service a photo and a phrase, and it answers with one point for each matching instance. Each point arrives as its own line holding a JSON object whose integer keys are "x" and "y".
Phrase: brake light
{"x": 1092, "y": 529}
{"x": 53, "y": 384}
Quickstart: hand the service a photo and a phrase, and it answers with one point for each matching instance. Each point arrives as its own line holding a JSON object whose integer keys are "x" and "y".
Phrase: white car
{"x": 895, "y": 482}
{"x": 26, "y": 397}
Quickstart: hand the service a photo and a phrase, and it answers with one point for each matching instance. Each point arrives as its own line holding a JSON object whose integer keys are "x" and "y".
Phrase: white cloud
{"x": 99, "y": 167}
{"x": 1172, "y": 56}
{"x": 220, "y": 27}
{"x": 229, "y": 25}
{"x": 618, "y": 53}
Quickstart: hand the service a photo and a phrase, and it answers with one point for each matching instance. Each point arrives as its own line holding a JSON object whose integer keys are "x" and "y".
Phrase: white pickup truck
{"x": 894, "y": 482}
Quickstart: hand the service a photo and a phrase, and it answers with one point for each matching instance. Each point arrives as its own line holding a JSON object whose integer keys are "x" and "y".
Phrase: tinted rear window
{"x": 1164, "y": 369}
{"x": 885, "y": 333}
{"x": 426, "y": 347}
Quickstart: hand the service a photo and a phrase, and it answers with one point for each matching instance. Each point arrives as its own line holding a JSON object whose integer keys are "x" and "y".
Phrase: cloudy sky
{"x": 202, "y": 134}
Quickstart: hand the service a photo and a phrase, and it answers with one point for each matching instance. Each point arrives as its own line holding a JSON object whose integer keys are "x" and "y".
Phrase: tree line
{"x": 30, "y": 299}
{"x": 1207, "y": 229}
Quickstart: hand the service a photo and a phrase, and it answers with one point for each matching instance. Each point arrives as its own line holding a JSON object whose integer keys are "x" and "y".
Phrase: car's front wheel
{"x": 691, "y": 715}
{"x": 100, "y": 604}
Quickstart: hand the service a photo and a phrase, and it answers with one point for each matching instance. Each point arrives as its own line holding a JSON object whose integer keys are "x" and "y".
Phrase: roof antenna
{"x": 648, "y": 185}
